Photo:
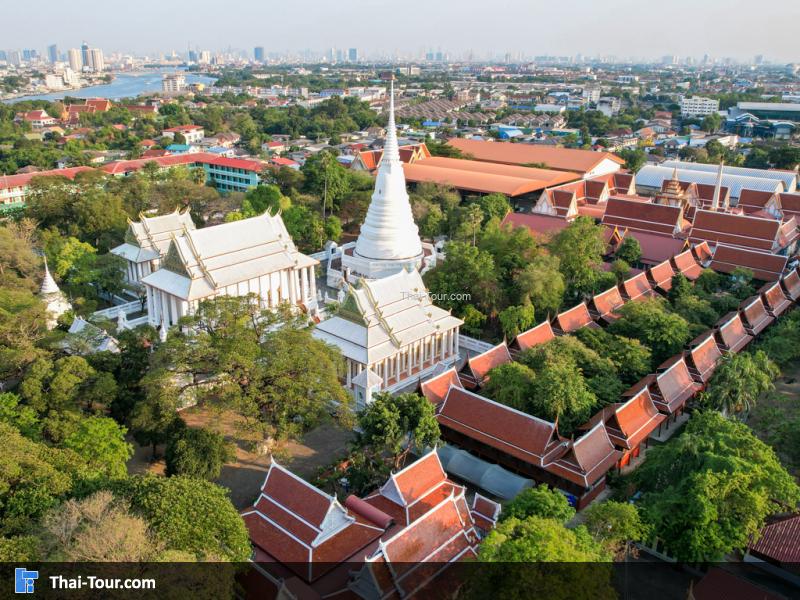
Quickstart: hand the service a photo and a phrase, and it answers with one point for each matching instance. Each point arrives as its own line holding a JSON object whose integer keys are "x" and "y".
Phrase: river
{"x": 125, "y": 85}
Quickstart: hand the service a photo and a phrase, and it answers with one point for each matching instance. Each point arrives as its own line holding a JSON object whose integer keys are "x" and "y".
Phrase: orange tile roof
{"x": 22, "y": 180}
{"x": 605, "y": 304}
{"x": 702, "y": 252}
{"x": 541, "y": 334}
{"x": 588, "y": 458}
{"x": 687, "y": 265}
{"x": 754, "y": 315}
{"x": 775, "y": 299}
{"x": 674, "y": 385}
{"x": 561, "y": 159}
{"x": 703, "y": 356}
{"x": 630, "y": 423}
{"x": 731, "y": 334}
{"x": 472, "y": 181}
{"x": 636, "y": 287}
{"x": 480, "y": 365}
{"x": 550, "y": 176}
{"x": 435, "y": 389}
{"x": 573, "y": 319}
{"x": 523, "y": 436}
{"x": 661, "y": 274}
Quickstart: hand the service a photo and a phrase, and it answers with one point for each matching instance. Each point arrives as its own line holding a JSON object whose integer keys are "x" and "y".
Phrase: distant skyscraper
{"x": 759, "y": 59}
{"x": 75, "y": 60}
{"x": 193, "y": 57}
{"x": 86, "y": 55}
{"x": 52, "y": 53}
{"x": 14, "y": 57}
{"x": 352, "y": 55}
{"x": 258, "y": 53}
{"x": 98, "y": 62}
{"x": 205, "y": 57}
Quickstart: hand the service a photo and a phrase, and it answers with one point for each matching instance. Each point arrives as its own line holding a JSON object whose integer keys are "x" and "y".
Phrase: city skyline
{"x": 626, "y": 30}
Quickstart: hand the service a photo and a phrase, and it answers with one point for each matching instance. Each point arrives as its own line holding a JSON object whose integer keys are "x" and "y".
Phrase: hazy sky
{"x": 648, "y": 28}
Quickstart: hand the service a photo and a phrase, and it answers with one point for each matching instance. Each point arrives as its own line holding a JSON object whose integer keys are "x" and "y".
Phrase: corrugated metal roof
{"x": 789, "y": 178}
{"x": 653, "y": 176}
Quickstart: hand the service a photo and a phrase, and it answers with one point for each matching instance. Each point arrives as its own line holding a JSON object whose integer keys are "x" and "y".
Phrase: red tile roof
{"x": 660, "y": 275}
{"x": 480, "y": 365}
{"x": 22, "y": 180}
{"x": 702, "y": 252}
{"x": 731, "y": 334}
{"x": 779, "y": 541}
{"x": 656, "y": 247}
{"x": 407, "y": 562}
{"x": 687, "y": 265}
{"x": 471, "y": 180}
{"x": 790, "y": 205}
{"x": 791, "y": 284}
{"x": 736, "y": 230}
{"x": 703, "y": 356}
{"x": 754, "y": 315}
{"x": 605, "y": 304}
{"x": 304, "y": 528}
{"x": 182, "y": 128}
{"x": 573, "y": 319}
{"x": 719, "y": 584}
{"x": 561, "y": 159}
{"x": 435, "y": 389}
{"x": 523, "y": 436}
{"x": 636, "y": 287}
{"x": 541, "y": 334}
{"x": 765, "y": 266}
{"x": 485, "y": 512}
{"x": 674, "y": 384}
{"x": 775, "y": 299}
{"x": 751, "y": 201}
{"x": 588, "y": 458}
{"x": 629, "y": 423}
{"x": 538, "y": 225}
{"x": 643, "y": 216}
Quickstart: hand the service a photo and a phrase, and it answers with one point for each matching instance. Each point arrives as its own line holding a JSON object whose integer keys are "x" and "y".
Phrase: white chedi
{"x": 389, "y": 240}
{"x": 55, "y": 300}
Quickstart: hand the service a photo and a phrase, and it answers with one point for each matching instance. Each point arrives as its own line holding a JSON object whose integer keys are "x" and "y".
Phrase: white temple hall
{"x": 390, "y": 334}
{"x": 389, "y": 240}
{"x": 251, "y": 256}
{"x": 147, "y": 242}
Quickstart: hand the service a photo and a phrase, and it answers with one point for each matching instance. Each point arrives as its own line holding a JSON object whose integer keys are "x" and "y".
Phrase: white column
{"x": 312, "y": 276}
{"x": 349, "y": 372}
{"x": 164, "y": 308}
{"x": 444, "y": 346}
{"x": 292, "y": 291}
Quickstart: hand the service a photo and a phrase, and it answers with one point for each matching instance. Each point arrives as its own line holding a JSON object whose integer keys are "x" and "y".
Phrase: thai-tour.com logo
{"x": 24, "y": 580}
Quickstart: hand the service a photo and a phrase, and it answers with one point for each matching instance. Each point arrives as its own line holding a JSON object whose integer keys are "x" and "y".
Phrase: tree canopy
{"x": 708, "y": 491}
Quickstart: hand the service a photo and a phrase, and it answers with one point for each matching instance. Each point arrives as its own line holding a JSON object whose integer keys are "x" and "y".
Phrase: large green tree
{"x": 709, "y": 491}
{"x": 649, "y": 321}
{"x": 189, "y": 515}
{"x": 579, "y": 248}
{"x": 739, "y": 381}
{"x": 232, "y": 353}
{"x": 539, "y": 501}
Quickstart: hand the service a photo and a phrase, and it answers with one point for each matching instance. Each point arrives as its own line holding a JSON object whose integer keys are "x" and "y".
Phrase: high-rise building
{"x": 173, "y": 83}
{"x": 98, "y": 62}
{"x": 14, "y": 57}
{"x": 697, "y": 106}
{"x": 352, "y": 55}
{"x": 193, "y": 56}
{"x": 52, "y": 53}
{"x": 86, "y": 55}
{"x": 75, "y": 59}
{"x": 258, "y": 53}
{"x": 205, "y": 57}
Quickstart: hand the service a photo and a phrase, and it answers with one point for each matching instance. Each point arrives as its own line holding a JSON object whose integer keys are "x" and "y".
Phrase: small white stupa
{"x": 53, "y": 297}
{"x": 389, "y": 240}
